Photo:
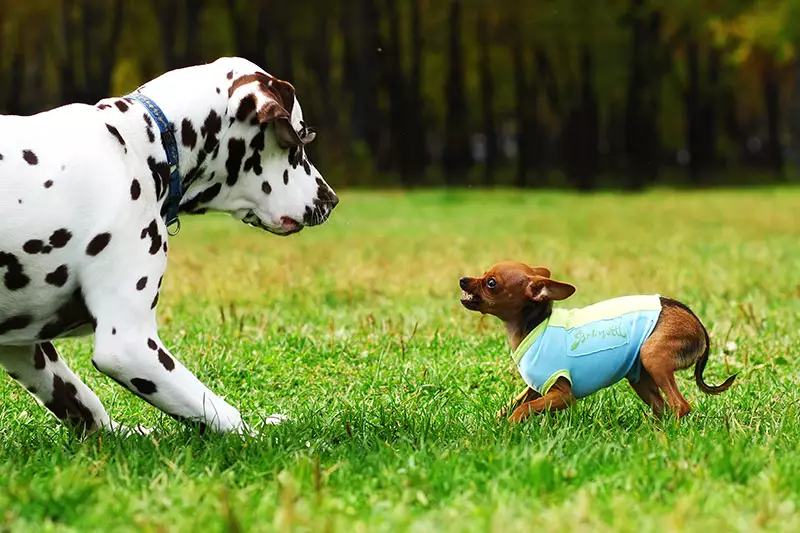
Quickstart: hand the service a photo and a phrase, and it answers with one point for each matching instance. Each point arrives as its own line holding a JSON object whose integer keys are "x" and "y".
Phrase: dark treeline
{"x": 578, "y": 93}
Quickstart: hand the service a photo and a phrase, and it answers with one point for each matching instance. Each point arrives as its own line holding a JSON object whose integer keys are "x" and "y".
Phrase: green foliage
{"x": 354, "y": 330}
{"x": 53, "y": 52}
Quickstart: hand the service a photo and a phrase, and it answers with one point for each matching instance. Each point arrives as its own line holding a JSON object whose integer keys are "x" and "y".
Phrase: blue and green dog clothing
{"x": 593, "y": 347}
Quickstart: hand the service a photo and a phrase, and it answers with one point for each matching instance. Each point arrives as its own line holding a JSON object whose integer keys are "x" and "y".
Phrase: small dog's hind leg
{"x": 648, "y": 391}
{"x": 657, "y": 360}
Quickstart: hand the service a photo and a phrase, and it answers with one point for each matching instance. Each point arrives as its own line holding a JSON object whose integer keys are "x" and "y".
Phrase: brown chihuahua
{"x": 566, "y": 354}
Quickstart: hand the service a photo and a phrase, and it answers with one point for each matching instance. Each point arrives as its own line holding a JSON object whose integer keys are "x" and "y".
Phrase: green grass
{"x": 354, "y": 329}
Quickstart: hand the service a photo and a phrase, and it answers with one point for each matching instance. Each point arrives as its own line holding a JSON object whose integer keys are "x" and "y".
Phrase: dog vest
{"x": 593, "y": 347}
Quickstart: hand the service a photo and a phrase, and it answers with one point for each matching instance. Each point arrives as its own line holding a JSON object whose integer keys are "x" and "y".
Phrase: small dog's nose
{"x": 334, "y": 199}
{"x": 464, "y": 282}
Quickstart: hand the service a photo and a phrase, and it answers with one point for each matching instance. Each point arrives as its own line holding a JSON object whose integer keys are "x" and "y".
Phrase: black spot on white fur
{"x": 155, "y": 237}
{"x": 142, "y": 283}
{"x": 210, "y": 129}
{"x": 15, "y": 322}
{"x": 149, "y": 129}
{"x": 30, "y": 157}
{"x": 98, "y": 244}
{"x": 60, "y": 238}
{"x": 115, "y": 132}
{"x": 144, "y": 386}
{"x": 236, "y": 149}
{"x": 165, "y": 360}
{"x": 188, "y": 134}
{"x": 58, "y": 277}
{"x": 67, "y": 407}
{"x": 160, "y": 173}
{"x": 68, "y": 317}
{"x": 136, "y": 189}
{"x": 15, "y": 277}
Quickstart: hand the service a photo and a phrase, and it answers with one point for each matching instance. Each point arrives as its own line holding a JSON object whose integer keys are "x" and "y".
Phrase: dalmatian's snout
{"x": 323, "y": 205}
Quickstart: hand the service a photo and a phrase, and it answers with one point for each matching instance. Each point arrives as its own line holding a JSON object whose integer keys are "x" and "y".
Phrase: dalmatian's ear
{"x": 272, "y": 101}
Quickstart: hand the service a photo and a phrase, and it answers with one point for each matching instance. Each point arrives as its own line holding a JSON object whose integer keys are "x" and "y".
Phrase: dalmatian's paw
{"x": 275, "y": 419}
{"x": 246, "y": 430}
{"x": 125, "y": 431}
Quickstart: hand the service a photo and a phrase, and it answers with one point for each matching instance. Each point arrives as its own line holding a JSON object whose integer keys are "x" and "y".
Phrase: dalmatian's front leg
{"x": 47, "y": 377}
{"x": 137, "y": 360}
{"x": 120, "y": 283}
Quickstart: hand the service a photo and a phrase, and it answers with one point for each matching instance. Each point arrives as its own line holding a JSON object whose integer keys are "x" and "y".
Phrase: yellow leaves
{"x": 763, "y": 27}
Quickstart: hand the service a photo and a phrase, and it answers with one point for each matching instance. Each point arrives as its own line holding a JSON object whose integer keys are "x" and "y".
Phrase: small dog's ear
{"x": 544, "y": 289}
{"x": 540, "y": 271}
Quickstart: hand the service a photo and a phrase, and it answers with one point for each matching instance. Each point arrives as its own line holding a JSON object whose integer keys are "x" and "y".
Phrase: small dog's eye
{"x": 491, "y": 283}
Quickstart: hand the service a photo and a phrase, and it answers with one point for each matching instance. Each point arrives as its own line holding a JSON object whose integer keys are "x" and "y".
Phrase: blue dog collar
{"x": 171, "y": 148}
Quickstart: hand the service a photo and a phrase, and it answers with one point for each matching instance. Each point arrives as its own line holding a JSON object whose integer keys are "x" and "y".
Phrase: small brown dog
{"x": 565, "y": 354}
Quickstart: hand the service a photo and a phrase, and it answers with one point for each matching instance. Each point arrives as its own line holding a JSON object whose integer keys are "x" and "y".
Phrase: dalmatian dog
{"x": 86, "y": 194}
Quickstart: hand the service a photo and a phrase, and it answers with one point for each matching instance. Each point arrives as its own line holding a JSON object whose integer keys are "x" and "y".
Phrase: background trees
{"x": 577, "y": 93}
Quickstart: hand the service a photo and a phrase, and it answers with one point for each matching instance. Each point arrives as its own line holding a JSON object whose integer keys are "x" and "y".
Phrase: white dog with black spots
{"x": 84, "y": 195}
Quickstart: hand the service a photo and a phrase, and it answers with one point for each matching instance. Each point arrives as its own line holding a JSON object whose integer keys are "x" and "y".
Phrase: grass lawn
{"x": 354, "y": 329}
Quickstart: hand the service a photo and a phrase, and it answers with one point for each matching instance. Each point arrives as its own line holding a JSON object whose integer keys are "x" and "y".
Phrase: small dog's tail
{"x": 700, "y": 365}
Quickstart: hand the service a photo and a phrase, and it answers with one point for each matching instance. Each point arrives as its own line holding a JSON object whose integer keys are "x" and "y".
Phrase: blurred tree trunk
{"x": 794, "y": 116}
{"x": 579, "y": 151}
{"x": 360, "y": 79}
{"x": 350, "y": 86}
{"x": 67, "y": 68}
{"x": 283, "y": 40}
{"x": 710, "y": 109}
{"x": 700, "y": 106}
{"x": 544, "y": 83}
{"x": 692, "y": 107}
{"x": 457, "y": 156}
{"x": 487, "y": 97}
{"x": 318, "y": 57}
{"x": 191, "y": 54}
{"x": 168, "y": 17}
{"x": 642, "y": 141}
{"x": 417, "y": 128}
{"x": 400, "y": 137}
{"x": 246, "y": 45}
{"x": 3, "y": 73}
{"x": 772, "y": 104}
{"x": 525, "y": 106}
{"x": 101, "y": 27}
{"x": 367, "y": 66}
{"x": 16, "y": 79}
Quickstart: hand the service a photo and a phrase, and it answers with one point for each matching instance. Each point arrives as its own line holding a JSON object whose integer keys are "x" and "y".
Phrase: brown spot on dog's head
{"x": 508, "y": 288}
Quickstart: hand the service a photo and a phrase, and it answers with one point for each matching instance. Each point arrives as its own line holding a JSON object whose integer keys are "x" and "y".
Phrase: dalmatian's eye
{"x": 491, "y": 283}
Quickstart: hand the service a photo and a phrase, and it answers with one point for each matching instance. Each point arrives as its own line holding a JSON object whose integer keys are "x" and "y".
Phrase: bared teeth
{"x": 468, "y": 296}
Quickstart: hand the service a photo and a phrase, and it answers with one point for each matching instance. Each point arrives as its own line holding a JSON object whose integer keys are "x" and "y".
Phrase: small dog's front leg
{"x": 528, "y": 395}
{"x": 558, "y": 397}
